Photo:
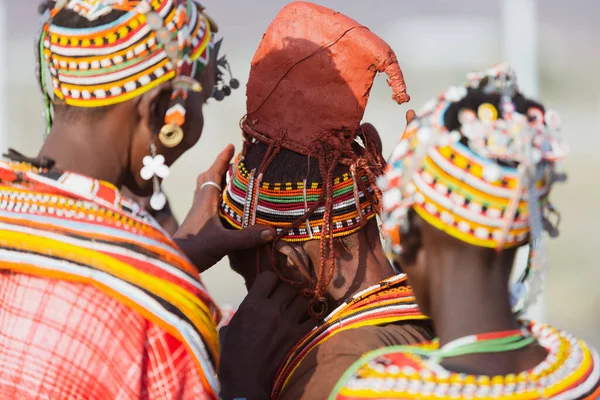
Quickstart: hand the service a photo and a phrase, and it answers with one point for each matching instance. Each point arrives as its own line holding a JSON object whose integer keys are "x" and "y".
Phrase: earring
{"x": 170, "y": 135}
{"x": 221, "y": 89}
{"x": 154, "y": 168}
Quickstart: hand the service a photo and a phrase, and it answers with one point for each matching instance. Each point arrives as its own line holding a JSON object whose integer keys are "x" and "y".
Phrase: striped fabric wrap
{"x": 115, "y": 62}
{"x": 67, "y": 226}
{"x": 248, "y": 200}
{"x": 387, "y": 302}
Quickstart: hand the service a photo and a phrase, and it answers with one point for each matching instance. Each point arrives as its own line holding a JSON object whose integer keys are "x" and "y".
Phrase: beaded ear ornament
{"x": 153, "y": 42}
{"x": 484, "y": 181}
{"x": 222, "y": 89}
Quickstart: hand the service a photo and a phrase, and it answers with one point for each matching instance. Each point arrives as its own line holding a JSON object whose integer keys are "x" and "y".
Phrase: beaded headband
{"x": 485, "y": 182}
{"x": 153, "y": 42}
{"x": 248, "y": 200}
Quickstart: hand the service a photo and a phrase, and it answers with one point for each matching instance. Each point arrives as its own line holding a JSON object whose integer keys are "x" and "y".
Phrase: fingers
{"x": 222, "y": 333}
{"x": 308, "y": 325}
{"x": 410, "y": 116}
{"x": 296, "y": 259}
{"x": 208, "y": 184}
{"x": 253, "y": 237}
{"x": 298, "y": 308}
{"x": 372, "y": 137}
{"x": 284, "y": 294}
{"x": 264, "y": 285}
{"x": 219, "y": 167}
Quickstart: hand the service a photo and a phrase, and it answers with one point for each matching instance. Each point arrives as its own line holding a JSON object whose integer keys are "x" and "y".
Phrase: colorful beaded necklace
{"x": 384, "y": 303}
{"x": 571, "y": 370}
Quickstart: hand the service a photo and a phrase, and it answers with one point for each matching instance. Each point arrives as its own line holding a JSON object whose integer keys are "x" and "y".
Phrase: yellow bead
{"x": 470, "y": 380}
{"x": 522, "y": 377}
{"x": 123, "y": 31}
{"x": 460, "y": 162}
{"x": 510, "y": 378}
{"x": 497, "y": 380}
{"x": 483, "y": 380}
{"x": 134, "y": 24}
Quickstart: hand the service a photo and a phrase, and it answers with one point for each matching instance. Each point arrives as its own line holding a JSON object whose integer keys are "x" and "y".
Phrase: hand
{"x": 270, "y": 321}
{"x": 202, "y": 236}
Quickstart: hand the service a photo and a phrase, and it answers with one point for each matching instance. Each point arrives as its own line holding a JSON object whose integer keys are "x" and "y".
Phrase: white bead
{"x": 492, "y": 173}
{"x": 431, "y": 208}
{"x": 425, "y": 134}
{"x": 464, "y": 227}
{"x": 158, "y": 201}
{"x": 475, "y": 207}
{"x": 482, "y": 233}
{"x": 391, "y": 198}
{"x": 419, "y": 198}
{"x": 447, "y": 218}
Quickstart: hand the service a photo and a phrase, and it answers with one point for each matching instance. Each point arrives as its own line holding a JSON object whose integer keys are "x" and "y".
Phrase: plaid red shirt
{"x": 62, "y": 340}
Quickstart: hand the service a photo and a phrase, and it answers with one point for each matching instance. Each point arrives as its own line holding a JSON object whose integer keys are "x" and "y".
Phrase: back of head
{"x": 477, "y": 164}
{"x": 308, "y": 168}
{"x": 95, "y": 54}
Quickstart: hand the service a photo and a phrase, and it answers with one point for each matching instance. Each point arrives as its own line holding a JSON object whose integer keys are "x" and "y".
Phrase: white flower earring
{"x": 154, "y": 168}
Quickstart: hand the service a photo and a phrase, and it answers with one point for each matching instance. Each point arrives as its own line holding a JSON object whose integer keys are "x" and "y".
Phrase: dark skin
{"x": 111, "y": 148}
{"x": 464, "y": 289}
{"x": 277, "y": 318}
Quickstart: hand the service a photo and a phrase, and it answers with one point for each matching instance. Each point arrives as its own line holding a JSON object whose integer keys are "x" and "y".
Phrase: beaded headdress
{"x": 154, "y": 41}
{"x": 480, "y": 171}
{"x": 309, "y": 83}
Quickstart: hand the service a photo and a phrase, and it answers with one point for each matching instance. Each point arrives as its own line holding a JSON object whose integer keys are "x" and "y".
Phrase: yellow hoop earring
{"x": 171, "y": 135}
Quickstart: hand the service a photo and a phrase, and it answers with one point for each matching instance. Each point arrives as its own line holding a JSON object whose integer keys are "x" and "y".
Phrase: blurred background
{"x": 553, "y": 44}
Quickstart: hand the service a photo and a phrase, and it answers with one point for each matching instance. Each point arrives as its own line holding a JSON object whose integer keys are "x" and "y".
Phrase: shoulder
{"x": 318, "y": 373}
{"x": 364, "y": 339}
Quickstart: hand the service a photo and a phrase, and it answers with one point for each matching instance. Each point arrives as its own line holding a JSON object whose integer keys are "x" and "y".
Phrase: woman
{"x": 309, "y": 169}
{"x": 468, "y": 184}
{"x": 97, "y": 301}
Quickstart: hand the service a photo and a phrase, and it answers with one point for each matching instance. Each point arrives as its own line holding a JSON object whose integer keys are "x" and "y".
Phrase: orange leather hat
{"x": 311, "y": 78}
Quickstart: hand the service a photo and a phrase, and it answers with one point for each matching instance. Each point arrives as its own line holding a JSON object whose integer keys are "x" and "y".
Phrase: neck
{"x": 363, "y": 265}
{"x": 470, "y": 291}
{"x": 88, "y": 149}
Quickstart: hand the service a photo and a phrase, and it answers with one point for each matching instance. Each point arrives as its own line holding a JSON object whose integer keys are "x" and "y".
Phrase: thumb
{"x": 410, "y": 115}
{"x": 253, "y": 237}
